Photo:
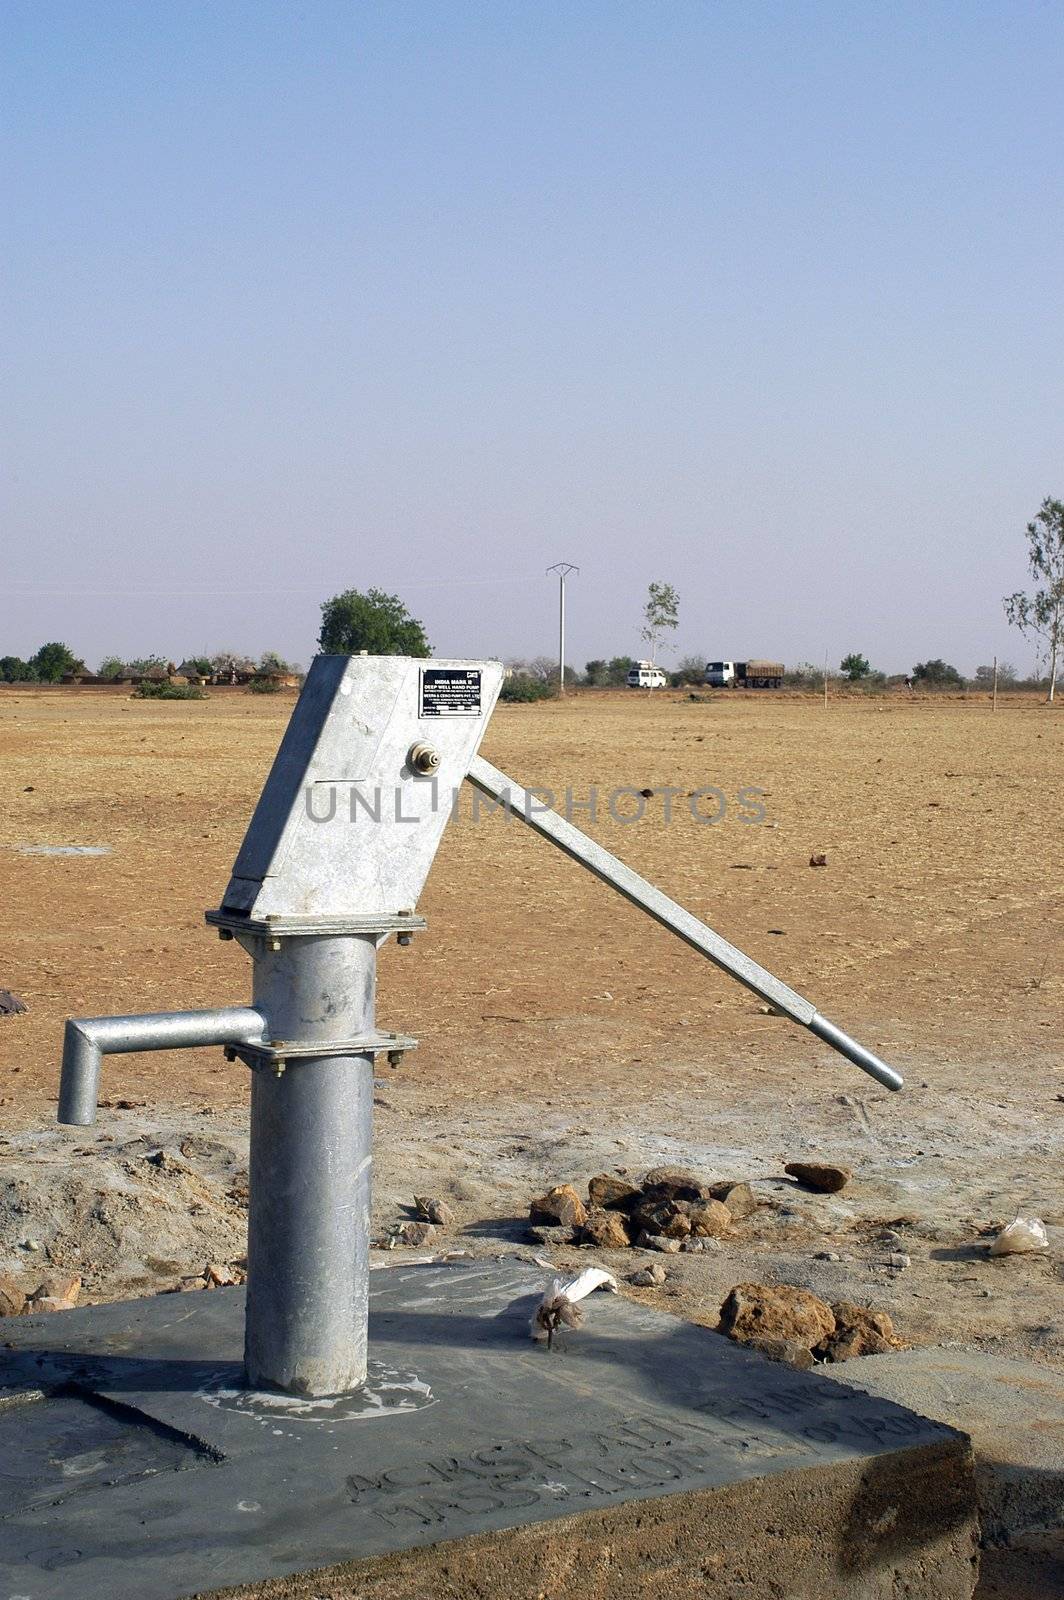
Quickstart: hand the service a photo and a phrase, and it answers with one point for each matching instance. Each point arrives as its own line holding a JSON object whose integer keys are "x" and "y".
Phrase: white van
{"x": 645, "y": 675}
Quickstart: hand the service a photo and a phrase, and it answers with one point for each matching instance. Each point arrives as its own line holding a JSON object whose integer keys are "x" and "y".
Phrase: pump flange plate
{"x": 289, "y": 927}
{"x": 272, "y": 1052}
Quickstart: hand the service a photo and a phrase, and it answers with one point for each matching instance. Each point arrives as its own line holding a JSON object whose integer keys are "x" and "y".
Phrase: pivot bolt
{"x": 424, "y": 759}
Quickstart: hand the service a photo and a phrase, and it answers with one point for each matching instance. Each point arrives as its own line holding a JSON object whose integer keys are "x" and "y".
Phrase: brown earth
{"x": 934, "y": 932}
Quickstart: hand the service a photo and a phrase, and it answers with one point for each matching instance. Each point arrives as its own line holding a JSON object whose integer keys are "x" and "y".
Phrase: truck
{"x": 645, "y": 675}
{"x": 744, "y": 674}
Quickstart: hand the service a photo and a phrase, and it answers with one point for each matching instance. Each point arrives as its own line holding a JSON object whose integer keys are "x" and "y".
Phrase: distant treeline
{"x": 57, "y": 663}
{"x": 538, "y": 678}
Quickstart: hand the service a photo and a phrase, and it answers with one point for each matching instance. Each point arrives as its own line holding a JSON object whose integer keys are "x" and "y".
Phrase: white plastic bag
{"x": 560, "y": 1305}
{"x": 1021, "y": 1236}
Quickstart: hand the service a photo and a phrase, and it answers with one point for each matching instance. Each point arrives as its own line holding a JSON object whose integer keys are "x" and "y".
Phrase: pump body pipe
{"x": 88, "y": 1039}
{"x": 523, "y": 804}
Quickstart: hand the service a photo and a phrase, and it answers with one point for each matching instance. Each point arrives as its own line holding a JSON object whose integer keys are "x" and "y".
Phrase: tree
{"x": 376, "y": 622}
{"x": 270, "y": 661}
{"x": 53, "y": 661}
{"x": 690, "y": 669}
{"x": 146, "y": 667}
{"x": 938, "y": 674}
{"x": 1006, "y": 676}
{"x": 660, "y": 614}
{"x": 618, "y": 670}
{"x": 14, "y": 670}
{"x": 1041, "y": 612}
{"x": 854, "y": 667}
{"x": 596, "y": 674}
{"x": 110, "y": 668}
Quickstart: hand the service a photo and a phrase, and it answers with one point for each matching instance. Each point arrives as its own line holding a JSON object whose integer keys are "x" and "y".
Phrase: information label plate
{"x": 450, "y": 692}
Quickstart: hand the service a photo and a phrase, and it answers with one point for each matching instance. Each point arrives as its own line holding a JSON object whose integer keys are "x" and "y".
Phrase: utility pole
{"x": 563, "y": 569}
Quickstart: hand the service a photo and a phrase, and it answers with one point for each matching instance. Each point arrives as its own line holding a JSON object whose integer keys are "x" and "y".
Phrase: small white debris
{"x": 559, "y": 1306}
{"x": 1020, "y": 1237}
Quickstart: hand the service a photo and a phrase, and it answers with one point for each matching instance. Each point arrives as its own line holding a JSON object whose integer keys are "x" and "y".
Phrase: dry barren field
{"x": 561, "y": 1032}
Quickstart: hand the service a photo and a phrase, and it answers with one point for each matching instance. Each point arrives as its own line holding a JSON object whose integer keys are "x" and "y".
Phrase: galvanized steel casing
{"x": 314, "y": 849}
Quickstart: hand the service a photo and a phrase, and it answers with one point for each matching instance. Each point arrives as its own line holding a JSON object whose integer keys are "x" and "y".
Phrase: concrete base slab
{"x": 643, "y": 1456}
{"x": 1013, "y": 1411}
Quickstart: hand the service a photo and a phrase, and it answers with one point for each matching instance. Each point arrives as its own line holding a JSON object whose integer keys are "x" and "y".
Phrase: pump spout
{"x": 523, "y": 804}
{"x": 88, "y": 1039}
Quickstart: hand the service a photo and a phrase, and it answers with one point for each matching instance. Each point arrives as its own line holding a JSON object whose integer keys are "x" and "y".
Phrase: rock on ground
{"x": 616, "y": 1194}
{"x": 780, "y": 1311}
{"x": 413, "y": 1234}
{"x": 859, "y": 1331}
{"x": 12, "y": 1296}
{"x": 675, "y": 1183}
{"x": 605, "y": 1229}
{"x": 560, "y": 1206}
{"x": 814, "y": 1175}
{"x": 738, "y": 1197}
{"x": 651, "y": 1277}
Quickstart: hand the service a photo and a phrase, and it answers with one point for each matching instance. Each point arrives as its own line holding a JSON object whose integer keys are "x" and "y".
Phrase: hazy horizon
{"x": 760, "y": 300}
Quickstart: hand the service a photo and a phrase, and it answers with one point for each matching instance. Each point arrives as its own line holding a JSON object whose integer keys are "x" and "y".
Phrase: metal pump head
{"x": 380, "y": 741}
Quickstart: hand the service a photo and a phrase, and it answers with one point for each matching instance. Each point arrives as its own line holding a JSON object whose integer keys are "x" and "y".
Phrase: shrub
{"x": 522, "y": 687}
{"x": 259, "y": 685}
{"x": 938, "y": 674}
{"x": 161, "y": 690}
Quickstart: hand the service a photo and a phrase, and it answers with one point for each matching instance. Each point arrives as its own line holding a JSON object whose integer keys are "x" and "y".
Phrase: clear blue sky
{"x": 766, "y": 300}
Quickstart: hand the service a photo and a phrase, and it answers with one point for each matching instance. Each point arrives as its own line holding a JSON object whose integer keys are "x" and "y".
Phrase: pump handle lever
{"x": 523, "y": 804}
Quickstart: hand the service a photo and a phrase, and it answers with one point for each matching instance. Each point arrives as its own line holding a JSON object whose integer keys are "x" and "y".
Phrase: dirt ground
{"x": 561, "y": 1032}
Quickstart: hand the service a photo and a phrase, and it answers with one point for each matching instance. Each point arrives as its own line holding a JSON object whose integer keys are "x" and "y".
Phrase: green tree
{"x": 376, "y": 622}
{"x": 1041, "y": 612}
{"x": 660, "y": 616}
{"x": 938, "y": 674}
{"x": 854, "y": 667}
{"x": 54, "y": 660}
{"x": 596, "y": 674}
{"x": 618, "y": 670}
{"x": 14, "y": 670}
{"x": 110, "y": 668}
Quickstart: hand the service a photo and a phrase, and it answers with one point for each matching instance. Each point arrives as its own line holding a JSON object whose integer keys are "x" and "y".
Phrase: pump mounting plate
{"x": 269, "y": 1052}
{"x": 294, "y": 927}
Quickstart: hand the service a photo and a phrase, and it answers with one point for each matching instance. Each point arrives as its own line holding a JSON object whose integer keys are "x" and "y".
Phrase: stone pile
{"x": 670, "y": 1210}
